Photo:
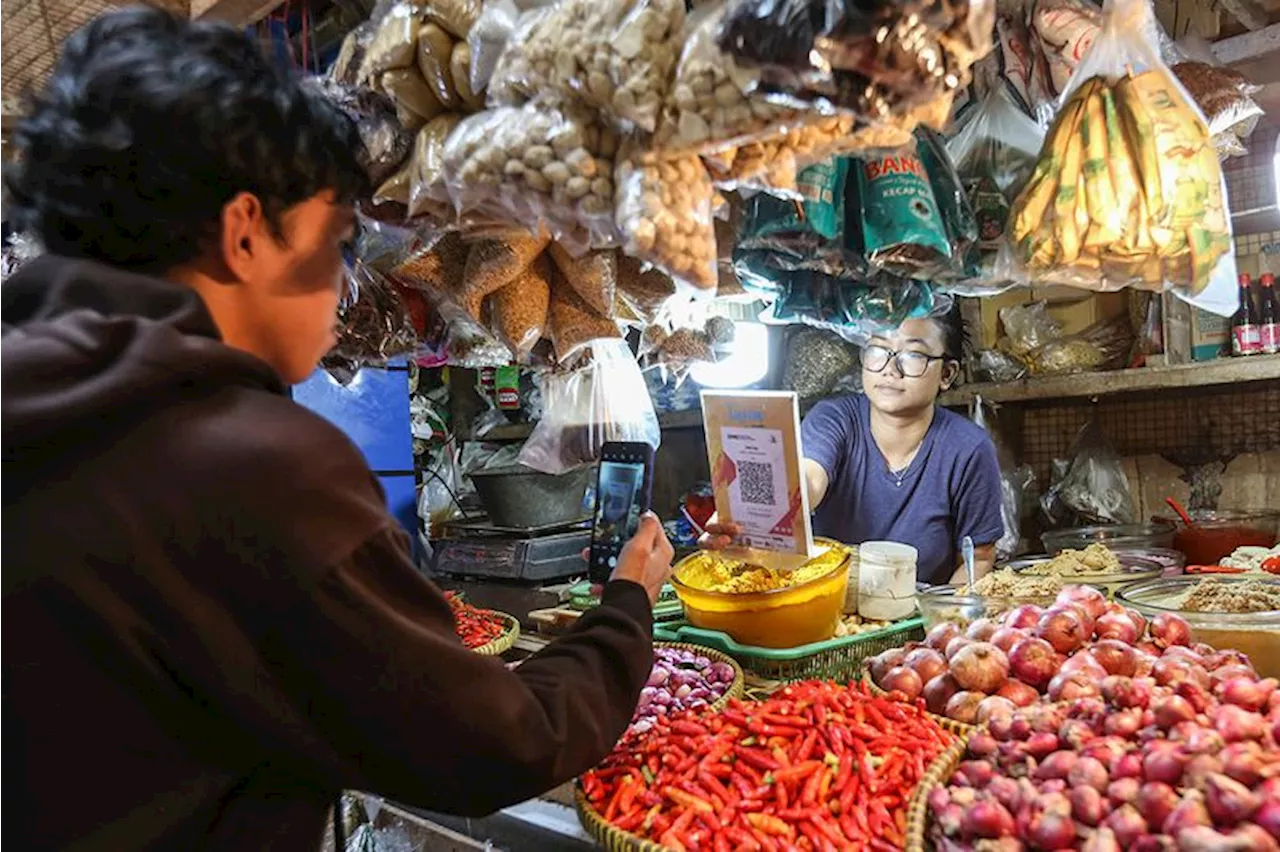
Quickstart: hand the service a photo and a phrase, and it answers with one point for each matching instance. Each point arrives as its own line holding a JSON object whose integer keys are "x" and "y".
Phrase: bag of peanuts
{"x": 603, "y": 400}
{"x": 536, "y": 165}
{"x": 615, "y": 56}
{"x": 665, "y": 213}
{"x": 572, "y": 324}
{"x": 493, "y": 264}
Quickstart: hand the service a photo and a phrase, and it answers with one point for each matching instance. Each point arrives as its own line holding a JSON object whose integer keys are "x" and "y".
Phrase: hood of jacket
{"x": 87, "y": 346}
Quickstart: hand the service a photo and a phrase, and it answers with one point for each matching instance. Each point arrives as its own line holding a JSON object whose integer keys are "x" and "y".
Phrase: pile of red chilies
{"x": 817, "y": 766}
{"x": 475, "y": 626}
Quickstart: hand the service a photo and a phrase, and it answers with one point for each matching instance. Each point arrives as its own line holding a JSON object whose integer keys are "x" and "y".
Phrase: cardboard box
{"x": 1074, "y": 309}
{"x": 1191, "y": 334}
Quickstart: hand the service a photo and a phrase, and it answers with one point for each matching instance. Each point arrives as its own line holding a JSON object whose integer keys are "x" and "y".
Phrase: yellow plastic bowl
{"x": 781, "y": 618}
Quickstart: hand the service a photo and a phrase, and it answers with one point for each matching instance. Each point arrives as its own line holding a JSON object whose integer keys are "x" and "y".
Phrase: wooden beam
{"x": 1247, "y": 46}
{"x": 241, "y": 13}
{"x": 1246, "y": 12}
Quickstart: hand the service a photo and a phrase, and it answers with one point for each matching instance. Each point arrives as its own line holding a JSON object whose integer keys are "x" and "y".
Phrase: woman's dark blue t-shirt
{"x": 951, "y": 488}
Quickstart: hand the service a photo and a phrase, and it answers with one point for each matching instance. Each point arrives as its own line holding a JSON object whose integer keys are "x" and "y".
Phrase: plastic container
{"x": 1256, "y": 634}
{"x": 780, "y": 618}
{"x": 1133, "y": 568}
{"x": 945, "y": 603}
{"x": 1219, "y": 532}
{"x": 851, "y": 591}
{"x": 1158, "y": 533}
{"x": 521, "y": 497}
{"x": 886, "y": 580}
{"x": 1172, "y": 561}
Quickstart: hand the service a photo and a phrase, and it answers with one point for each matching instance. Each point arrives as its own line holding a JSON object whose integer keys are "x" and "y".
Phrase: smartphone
{"x": 622, "y": 496}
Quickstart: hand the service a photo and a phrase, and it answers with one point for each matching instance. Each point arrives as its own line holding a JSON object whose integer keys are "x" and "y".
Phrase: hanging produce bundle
{"x": 817, "y": 765}
{"x": 876, "y": 60}
{"x": 1128, "y": 190}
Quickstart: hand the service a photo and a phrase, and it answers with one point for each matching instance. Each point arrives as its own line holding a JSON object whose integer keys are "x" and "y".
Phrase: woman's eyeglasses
{"x": 910, "y": 364}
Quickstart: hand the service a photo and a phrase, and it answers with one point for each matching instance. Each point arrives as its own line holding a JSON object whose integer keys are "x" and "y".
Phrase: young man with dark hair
{"x": 211, "y": 622}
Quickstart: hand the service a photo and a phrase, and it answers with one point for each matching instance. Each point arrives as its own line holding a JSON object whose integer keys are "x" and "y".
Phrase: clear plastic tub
{"x": 1255, "y": 633}
{"x": 1158, "y": 533}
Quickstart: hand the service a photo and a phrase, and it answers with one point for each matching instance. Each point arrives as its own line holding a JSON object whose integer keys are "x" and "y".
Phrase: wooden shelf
{"x": 1223, "y": 371}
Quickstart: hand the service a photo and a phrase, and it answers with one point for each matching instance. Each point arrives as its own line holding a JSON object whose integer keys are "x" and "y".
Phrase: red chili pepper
{"x": 771, "y": 825}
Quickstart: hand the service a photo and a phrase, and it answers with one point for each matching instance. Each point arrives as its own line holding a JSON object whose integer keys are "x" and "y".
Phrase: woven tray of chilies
{"x": 841, "y": 780}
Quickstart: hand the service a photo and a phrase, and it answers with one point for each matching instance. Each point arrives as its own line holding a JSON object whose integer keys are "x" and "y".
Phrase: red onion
{"x": 1093, "y": 601}
{"x": 1127, "y": 824}
{"x": 980, "y": 667}
{"x": 1236, "y": 724}
{"x": 987, "y": 818}
{"x": 1068, "y": 686}
{"x": 1126, "y": 691}
{"x": 1033, "y": 662}
{"x": 1087, "y": 805}
{"x": 1115, "y": 656}
{"x": 1217, "y": 658}
{"x": 938, "y": 692}
{"x": 993, "y": 706}
{"x": 1196, "y": 739}
{"x": 956, "y": 645}
{"x": 1243, "y": 762}
{"x": 1041, "y": 744}
{"x": 1102, "y": 840}
{"x": 1163, "y": 764}
{"x": 1181, "y": 652}
{"x": 1089, "y": 772}
{"x": 949, "y": 818}
{"x": 975, "y": 773}
{"x": 1202, "y": 838}
{"x": 1256, "y": 837}
{"x": 1005, "y": 791}
{"x": 926, "y": 662}
{"x": 903, "y": 681}
{"x": 1021, "y": 694}
{"x": 940, "y": 634}
{"x": 1171, "y": 671}
{"x": 1057, "y": 765}
{"x": 1139, "y": 620}
{"x": 1196, "y": 694}
{"x": 1268, "y": 816}
{"x": 1106, "y": 750}
{"x": 1246, "y": 692}
{"x": 982, "y": 744}
{"x": 1168, "y": 629}
{"x": 1023, "y": 617}
{"x": 1172, "y": 709}
{"x": 1188, "y": 813}
{"x": 881, "y": 663}
{"x": 1006, "y": 637}
{"x": 1123, "y": 790}
{"x": 1127, "y": 766}
{"x": 1229, "y": 802}
{"x": 1155, "y": 801}
{"x": 1116, "y": 627}
{"x": 1123, "y": 723}
{"x": 963, "y": 707}
{"x": 1083, "y": 662}
{"x": 1049, "y": 830}
{"x": 1077, "y": 733}
{"x": 1063, "y": 627}
{"x": 980, "y": 629}
{"x": 1198, "y": 769}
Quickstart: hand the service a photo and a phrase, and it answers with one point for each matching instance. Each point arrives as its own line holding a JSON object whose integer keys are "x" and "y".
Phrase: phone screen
{"x": 620, "y": 499}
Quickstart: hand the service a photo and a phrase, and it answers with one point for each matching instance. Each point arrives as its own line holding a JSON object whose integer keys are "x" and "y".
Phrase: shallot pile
{"x": 1028, "y": 655}
{"x": 1181, "y": 754}
{"x": 680, "y": 680}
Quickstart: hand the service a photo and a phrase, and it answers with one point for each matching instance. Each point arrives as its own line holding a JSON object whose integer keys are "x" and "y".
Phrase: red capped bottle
{"x": 1246, "y": 334}
{"x": 1269, "y": 329}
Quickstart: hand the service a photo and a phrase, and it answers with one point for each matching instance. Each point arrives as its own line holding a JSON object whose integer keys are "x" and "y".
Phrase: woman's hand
{"x": 718, "y": 536}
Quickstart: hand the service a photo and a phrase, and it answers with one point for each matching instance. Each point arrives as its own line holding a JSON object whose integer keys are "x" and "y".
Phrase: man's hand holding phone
{"x": 646, "y": 558}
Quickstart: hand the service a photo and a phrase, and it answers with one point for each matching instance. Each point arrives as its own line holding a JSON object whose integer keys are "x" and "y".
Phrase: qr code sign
{"x": 755, "y": 483}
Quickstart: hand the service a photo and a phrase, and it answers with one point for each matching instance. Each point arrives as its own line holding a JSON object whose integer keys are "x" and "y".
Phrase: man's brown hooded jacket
{"x": 211, "y": 622}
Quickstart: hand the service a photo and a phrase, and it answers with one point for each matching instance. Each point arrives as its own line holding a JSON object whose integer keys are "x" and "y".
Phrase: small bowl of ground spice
{"x": 1242, "y": 613}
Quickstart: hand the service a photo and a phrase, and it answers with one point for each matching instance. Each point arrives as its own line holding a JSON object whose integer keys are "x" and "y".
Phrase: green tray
{"x": 834, "y": 659}
{"x": 668, "y": 605}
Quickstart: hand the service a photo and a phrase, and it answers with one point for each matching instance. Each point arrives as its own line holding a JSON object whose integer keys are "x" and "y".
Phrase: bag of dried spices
{"x": 594, "y": 275}
{"x": 492, "y": 264}
{"x": 518, "y": 311}
{"x": 571, "y": 322}
{"x": 642, "y": 290}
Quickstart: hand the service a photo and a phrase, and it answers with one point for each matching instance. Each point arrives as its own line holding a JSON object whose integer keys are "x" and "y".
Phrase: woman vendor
{"x": 890, "y": 464}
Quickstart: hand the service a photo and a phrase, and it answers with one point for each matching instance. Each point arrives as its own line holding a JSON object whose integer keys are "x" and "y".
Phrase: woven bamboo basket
{"x": 739, "y": 680}
{"x": 958, "y": 728}
{"x": 938, "y": 773}
{"x": 506, "y": 639}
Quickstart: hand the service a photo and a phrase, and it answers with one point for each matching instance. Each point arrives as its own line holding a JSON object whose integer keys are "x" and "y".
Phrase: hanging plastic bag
{"x": 488, "y": 38}
{"x": 665, "y": 213}
{"x": 604, "y": 400}
{"x": 386, "y": 143}
{"x": 519, "y": 308}
{"x": 373, "y": 324}
{"x": 441, "y": 484}
{"x": 537, "y": 166}
{"x": 816, "y": 362}
{"x": 901, "y": 225}
{"x": 872, "y": 59}
{"x": 1094, "y": 489}
{"x": 1014, "y": 483}
{"x": 1127, "y": 190}
{"x": 616, "y": 56}
{"x": 953, "y": 204}
{"x": 1225, "y": 96}
{"x": 994, "y": 152}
